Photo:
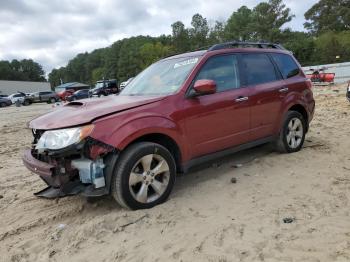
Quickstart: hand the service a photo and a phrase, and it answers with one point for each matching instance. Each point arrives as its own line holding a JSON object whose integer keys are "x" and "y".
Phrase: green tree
{"x": 150, "y": 53}
{"x": 97, "y": 74}
{"x": 301, "y": 44}
{"x": 199, "y": 32}
{"x": 239, "y": 25}
{"x": 180, "y": 37}
{"x": 268, "y": 19}
{"x": 24, "y": 70}
{"x": 331, "y": 45}
{"x": 328, "y": 15}
{"x": 217, "y": 33}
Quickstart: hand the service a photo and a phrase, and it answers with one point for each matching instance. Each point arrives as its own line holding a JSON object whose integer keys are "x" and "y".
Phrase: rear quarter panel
{"x": 299, "y": 93}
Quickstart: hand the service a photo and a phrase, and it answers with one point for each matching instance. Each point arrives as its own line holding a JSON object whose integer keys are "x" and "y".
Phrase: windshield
{"x": 99, "y": 85}
{"x": 59, "y": 89}
{"x": 162, "y": 78}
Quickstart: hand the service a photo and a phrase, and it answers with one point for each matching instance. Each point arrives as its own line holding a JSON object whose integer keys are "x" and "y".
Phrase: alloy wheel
{"x": 295, "y": 132}
{"x": 149, "y": 178}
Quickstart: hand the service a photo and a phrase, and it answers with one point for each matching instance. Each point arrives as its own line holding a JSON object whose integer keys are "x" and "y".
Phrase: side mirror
{"x": 204, "y": 87}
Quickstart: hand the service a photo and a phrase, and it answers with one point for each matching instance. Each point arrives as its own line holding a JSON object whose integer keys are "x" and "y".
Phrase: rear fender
{"x": 293, "y": 99}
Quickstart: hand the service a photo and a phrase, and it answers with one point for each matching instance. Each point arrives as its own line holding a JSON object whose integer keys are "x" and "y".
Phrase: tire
{"x": 292, "y": 134}
{"x": 133, "y": 160}
{"x": 2, "y": 104}
{"x": 26, "y": 102}
{"x": 52, "y": 100}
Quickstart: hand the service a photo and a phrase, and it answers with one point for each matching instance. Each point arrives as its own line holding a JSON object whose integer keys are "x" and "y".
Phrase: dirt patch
{"x": 207, "y": 218}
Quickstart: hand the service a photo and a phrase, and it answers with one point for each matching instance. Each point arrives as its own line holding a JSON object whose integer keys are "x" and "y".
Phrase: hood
{"x": 86, "y": 110}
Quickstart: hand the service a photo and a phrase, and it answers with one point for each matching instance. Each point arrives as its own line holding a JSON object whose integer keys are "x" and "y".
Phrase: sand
{"x": 207, "y": 218}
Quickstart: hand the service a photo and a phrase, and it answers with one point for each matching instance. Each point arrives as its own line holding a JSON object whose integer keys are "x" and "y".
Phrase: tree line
{"x": 326, "y": 40}
{"x": 23, "y": 70}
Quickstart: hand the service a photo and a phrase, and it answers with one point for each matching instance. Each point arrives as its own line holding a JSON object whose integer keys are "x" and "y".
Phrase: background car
{"x": 80, "y": 94}
{"x": 23, "y": 98}
{"x": 125, "y": 83}
{"x": 17, "y": 97}
{"x": 46, "y": 96}
{"x": 105, "y": 88}
{"x": 65, "y": 93}
{"x": 5, "y": 102}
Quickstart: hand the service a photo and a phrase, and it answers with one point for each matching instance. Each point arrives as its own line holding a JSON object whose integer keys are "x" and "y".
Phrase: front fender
{"x": 121, "y": 135}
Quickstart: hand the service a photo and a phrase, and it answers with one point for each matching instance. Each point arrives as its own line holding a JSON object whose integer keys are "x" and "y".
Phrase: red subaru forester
{"x": 181, "y": 111}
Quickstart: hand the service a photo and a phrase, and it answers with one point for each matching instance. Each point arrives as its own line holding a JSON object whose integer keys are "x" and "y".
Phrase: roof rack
{"x": 237, "y": 44}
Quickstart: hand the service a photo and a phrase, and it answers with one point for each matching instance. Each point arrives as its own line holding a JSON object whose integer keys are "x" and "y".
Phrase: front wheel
{"x": 292, "y": 134}
{"x": 144, "y": 176}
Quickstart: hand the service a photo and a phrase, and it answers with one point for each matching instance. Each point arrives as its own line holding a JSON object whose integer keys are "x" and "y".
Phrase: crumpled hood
{"x": 86, "y": 110}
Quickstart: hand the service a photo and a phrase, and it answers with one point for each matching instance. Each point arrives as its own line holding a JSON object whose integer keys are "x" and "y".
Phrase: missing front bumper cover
{"x": 71, "y": 190}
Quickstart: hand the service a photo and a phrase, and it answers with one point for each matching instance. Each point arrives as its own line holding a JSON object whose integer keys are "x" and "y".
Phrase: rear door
{"x": 267, "y": 87}
{"x": 221, "y": 120}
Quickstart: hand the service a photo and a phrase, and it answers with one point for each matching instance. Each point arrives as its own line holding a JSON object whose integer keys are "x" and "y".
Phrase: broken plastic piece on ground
{"x": 288, "y": 220}
{"x": 233, "y": 180}
{"x": 70, "y": 189}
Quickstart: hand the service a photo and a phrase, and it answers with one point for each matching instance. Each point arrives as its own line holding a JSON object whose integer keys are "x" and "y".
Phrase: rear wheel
{"x": 292, "y": 134}
{"x": 144, "y": 176}
{"x": 52, "y": 100}
{"x": 26, "y": 102}
{"x": 2, "y": 104}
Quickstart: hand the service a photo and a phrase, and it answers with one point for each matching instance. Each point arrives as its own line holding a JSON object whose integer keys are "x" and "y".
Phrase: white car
{"x": 16, "y": 97}
{"x": 125, "y": 83}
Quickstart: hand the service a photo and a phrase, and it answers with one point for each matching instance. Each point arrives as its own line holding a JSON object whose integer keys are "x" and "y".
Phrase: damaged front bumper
{"x": 84, "y": 169}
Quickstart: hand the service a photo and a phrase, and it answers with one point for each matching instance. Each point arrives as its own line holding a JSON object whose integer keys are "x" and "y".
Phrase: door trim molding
{"x": 229, "y": 151}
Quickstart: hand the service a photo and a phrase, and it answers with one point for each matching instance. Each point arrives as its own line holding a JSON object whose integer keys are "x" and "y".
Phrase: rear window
{"x": 286, "y": 64}
{"x": 259, "y": 69}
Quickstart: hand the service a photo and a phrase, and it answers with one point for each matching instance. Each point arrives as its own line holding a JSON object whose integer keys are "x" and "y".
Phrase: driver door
{"x": 221, "y": 120}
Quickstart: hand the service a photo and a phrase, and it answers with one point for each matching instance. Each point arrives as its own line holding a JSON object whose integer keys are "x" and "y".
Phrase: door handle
{"x": 241, "y": 99}
{"x": 283, "y": 90}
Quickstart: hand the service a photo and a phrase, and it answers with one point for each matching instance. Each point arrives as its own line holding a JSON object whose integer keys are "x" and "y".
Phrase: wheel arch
{"x": 164, "y": 140}
{"x": 301, "y": 109}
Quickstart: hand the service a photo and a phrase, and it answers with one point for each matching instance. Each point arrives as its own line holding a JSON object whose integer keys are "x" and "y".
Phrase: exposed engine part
{"x": 90, "y": 172}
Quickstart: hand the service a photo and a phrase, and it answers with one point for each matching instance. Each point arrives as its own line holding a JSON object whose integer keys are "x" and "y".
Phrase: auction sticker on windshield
{"x": 186, "y": 62}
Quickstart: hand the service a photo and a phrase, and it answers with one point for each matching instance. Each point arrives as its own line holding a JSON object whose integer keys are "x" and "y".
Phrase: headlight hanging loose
{"x": 61, "y": 138}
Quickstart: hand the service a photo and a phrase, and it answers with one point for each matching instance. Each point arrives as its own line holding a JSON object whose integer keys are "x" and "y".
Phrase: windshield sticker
{"x": 186, "y": 62}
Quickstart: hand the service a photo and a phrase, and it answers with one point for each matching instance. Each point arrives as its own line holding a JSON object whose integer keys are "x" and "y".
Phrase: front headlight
{"x": 61, "y": 138}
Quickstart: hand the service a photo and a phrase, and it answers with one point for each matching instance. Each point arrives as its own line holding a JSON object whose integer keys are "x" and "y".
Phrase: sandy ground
{"x": 207, "y": 218}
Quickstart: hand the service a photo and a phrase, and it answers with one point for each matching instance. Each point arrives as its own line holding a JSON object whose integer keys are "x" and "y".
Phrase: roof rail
{"x": 237, "y": 44}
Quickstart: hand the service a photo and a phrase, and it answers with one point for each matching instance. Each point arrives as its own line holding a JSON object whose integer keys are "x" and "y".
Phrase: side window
{"x": 258, "y": 69}
{"x": 223, "y": 70}
{"x": 286, "y": 64}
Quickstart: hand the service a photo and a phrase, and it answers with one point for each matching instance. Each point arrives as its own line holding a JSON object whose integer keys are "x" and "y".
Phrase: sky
{"x": 53, "y": 32}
